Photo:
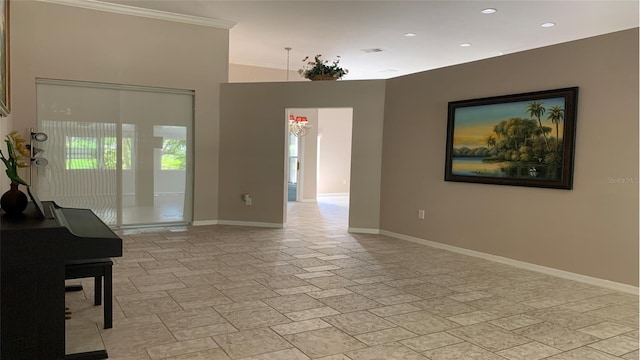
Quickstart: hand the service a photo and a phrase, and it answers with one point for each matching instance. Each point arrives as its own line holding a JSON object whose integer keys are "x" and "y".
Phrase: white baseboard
{"x": 250, "y": 223}
{"x": 520, "y": 264}
{"x": 333, "y": 194}
{"x": 204, "y": 222}
{"x": 363, "y": 231}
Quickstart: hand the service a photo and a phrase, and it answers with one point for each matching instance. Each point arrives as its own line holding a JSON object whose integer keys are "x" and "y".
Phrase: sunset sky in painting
{"x": 474, "y": 123}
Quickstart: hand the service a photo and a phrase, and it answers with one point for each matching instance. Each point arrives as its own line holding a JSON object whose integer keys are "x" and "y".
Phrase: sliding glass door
{"x": 122, "y": 151}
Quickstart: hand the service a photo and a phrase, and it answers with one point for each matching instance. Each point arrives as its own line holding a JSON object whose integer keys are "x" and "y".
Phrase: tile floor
{"x": 314, "y": 291}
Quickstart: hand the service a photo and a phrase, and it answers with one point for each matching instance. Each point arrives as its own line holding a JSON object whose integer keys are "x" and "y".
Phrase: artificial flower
{"x": 17, "y": 152}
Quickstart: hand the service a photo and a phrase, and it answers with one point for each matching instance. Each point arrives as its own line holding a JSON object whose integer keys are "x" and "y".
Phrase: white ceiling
{"x": 264, "y": 28}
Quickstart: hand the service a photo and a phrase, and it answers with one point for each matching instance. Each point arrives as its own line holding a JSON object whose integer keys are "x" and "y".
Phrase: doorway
{"x": 318, "y": 163}
{"x": 294, "y": 167}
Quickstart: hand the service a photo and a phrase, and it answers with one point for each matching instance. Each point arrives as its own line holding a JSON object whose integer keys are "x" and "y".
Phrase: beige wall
{"x": 247, "y": 73}
{"x": 309, "y": 167}
{"x": 590, "y": 230}
{"x": 63, "y": 42}
{"x": 334, "y": 167}
{"x": 252, "y": 149}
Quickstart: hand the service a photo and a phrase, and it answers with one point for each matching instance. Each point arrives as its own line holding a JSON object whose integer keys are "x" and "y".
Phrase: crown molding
{"x": 148, "y": 13}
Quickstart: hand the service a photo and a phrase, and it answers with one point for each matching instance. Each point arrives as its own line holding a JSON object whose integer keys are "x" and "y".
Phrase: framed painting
{"x": 4, "y": 58}
{"x": 522, "y": 139}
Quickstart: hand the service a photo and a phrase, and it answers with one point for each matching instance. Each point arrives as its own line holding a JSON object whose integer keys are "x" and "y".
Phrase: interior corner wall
{"x": 252, "y": 150}
{"x": 591, "y": 230}
{"x": 65, "y": 42}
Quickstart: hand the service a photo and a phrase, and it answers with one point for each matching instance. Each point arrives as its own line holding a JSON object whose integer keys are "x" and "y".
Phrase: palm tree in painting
{"x": 556, "y": 115}
{"x": 490, "y": 141}
{"x": 535, "y": 109}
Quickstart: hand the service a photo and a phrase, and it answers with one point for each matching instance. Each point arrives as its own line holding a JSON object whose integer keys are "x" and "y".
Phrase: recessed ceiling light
{"x": 465, "y": 44}
{"x": 489, "y": 11}
{"x": 410, "y": 34}
{"x": 548, "y": 24}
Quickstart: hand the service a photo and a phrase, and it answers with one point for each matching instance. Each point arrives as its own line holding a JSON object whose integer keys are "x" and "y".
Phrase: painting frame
{"x": 509, "y": 140}
{"x": 5, "y": 73}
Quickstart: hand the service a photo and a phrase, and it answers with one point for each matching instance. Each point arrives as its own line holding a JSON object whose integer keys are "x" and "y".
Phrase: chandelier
{"x": 298, "y": 125}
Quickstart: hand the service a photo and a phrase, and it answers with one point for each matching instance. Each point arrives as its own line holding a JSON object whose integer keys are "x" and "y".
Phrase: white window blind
{"x": 123, "y": 151}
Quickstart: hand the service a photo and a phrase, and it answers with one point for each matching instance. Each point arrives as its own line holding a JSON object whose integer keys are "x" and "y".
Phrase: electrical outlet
{"x": 248, "y": 201}
{"x": 420, "y": 214}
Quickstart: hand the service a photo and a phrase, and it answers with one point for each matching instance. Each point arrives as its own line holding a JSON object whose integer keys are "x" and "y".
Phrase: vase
{"x": 322, "y": 77}
{"x": 14, "y": 201}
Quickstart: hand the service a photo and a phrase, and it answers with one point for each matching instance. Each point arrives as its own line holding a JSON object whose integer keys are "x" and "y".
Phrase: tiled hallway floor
{"x": 314, "y": 291}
